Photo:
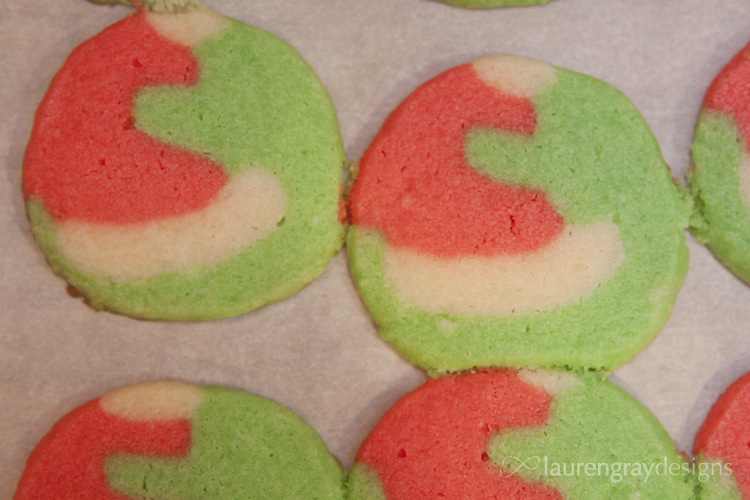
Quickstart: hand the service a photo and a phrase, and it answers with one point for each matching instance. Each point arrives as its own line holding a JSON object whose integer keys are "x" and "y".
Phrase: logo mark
{"x": 530, "y": 463}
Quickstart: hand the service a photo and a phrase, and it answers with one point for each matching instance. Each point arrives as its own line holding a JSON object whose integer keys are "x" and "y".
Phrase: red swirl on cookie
{"x": 415, "y": 186}
{"x": 71, "y": 457}
{"x": 94, "y": 165}
{"x": 433, "y": 442}
{"x": 725, "y": 434}
{"x": 729, "y": 93}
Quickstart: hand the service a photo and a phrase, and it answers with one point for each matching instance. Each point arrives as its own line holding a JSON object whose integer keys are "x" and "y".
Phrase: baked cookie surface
{"x": 508, "y": 434}
{"x": 176, "y": 440}
{"x": 185, "y": 166}
{"x": 720, "y": 177}
{"x": 511, "y": 213}
{"x": 722, "y": 447}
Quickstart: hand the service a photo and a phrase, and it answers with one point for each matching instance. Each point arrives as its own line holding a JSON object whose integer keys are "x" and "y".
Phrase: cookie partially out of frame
{"x": 185, "y": 166}
{"x": 720, "y": 177}
{"x": 508, "y": 434}
{"x": 511, "y": 213}
{"x": 722, "y": 445}
{"x": 176, "y": 440}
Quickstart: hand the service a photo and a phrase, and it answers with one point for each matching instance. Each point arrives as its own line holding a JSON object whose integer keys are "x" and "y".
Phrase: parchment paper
{"x": 318, "y": 352}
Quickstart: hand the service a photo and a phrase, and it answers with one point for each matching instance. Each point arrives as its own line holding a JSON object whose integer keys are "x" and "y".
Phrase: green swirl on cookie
{"x": 169, "y": 439}
{"x": 720, "y": 177}
{"x": 243, "y": 446}
{"x": 519, "y": 434}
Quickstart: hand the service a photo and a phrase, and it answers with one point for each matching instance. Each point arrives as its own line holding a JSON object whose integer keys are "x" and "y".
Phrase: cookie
{"x": 176, "y": 440}
{"x": 185, "y": 166}
{"x": 485, "y": 4}
{"x": 720, "y": 174}
{"x": 722, "y": 445}
{"x": 507, "y": 434}
{"x": 511, "y": 213}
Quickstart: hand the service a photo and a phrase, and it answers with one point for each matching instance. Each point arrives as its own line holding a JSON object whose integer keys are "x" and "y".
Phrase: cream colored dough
{"x": 515, "y": 75}
{"x": 246, "y": 210}
{"x": 553, "y": 383}
{"x": 163, "y": 400}
{"x": 566, "y": 270}
{"x": 188, "y": 28}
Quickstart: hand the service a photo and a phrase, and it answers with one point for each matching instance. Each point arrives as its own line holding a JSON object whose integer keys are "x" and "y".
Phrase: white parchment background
{"x": 318, "y": 352}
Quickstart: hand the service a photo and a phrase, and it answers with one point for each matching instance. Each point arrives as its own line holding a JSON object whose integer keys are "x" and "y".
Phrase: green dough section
{"x": 257, "y": 105}
{"x": 243, "y": 446}
{"x": 607, "y": 167}
{"x": 597, "y": 423}
{"x": 723, "y": 217}
{"x": 715, "y": 482}
{"x": 363, "y": 484}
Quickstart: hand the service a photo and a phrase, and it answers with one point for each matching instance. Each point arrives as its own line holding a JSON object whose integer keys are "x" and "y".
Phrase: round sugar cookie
{"x": 720, "y": 177}
{"x": 511, "y": 213}
{"x": 486, "y": 4}
{"x": 185, "y": 166}
{"x": 507, "y": 434}
{"x": 176, "y": 440}
{"x": 722, "y": 445}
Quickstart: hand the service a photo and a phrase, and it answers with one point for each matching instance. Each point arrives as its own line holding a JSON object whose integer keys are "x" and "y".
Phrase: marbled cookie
{"x": 176, "y": 440}
{"x": 720, "y": 177}
{"x": 722, "y": 445}
{"x": 511, "y": 213}
{"x": 185, "y": 166}
{"x": 508, "y": 434}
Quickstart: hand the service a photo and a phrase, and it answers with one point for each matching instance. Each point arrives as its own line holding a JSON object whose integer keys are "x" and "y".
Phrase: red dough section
{"x": 85, "y": 159}
{"x": 415, "y": 186}
{"x": 433, "y": 442}
{"x": 725, "y": 434}
{"x": 69, "y": 461}
{"x": 730, "y": 92}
